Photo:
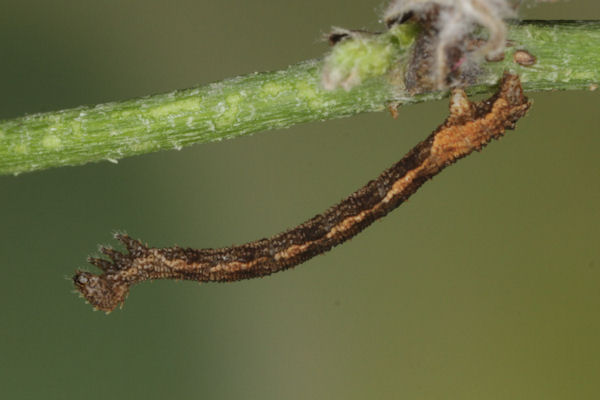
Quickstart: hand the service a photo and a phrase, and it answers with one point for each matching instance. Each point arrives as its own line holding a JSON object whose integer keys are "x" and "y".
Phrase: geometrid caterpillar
{"x": 470, "y": 126}
{"x": 444, "y": 55}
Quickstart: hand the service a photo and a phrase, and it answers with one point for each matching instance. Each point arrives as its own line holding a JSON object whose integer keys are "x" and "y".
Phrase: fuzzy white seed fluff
{"x": 456, "y": 19}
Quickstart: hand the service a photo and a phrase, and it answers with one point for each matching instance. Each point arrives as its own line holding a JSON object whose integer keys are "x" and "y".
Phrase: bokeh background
{"x": 485, "y": 285}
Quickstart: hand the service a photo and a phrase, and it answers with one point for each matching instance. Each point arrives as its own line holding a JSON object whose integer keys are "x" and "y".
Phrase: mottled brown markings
{"x": 469, "y": 127}
{"x": 524, "y": 58}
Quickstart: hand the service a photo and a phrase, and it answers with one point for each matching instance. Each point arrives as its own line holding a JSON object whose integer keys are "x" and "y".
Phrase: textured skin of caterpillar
{"x": 470, "y": 126}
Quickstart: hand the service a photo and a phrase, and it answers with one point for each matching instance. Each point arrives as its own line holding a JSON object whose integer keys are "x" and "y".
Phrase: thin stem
{"x": 567, "y": 59}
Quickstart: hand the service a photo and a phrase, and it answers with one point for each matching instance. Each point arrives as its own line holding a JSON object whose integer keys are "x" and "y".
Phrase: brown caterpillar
{"x": 470, "y": 126}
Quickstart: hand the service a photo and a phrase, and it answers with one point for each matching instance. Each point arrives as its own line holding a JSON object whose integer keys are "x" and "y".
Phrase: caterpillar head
{"x": 102, "y": 293}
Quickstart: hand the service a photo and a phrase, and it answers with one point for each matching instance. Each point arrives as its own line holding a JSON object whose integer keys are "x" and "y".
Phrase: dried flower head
{"x": 452, "y": 21}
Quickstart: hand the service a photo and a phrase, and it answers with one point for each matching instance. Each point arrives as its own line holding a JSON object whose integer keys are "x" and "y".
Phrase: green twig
{"x": 567, "y": 59}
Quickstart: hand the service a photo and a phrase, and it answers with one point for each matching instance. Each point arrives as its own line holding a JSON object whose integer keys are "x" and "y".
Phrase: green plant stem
{"x": 567, "y": 59}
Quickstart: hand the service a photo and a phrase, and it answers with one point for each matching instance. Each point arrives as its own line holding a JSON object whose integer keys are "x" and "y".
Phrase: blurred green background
{"x": 485, "y": 285}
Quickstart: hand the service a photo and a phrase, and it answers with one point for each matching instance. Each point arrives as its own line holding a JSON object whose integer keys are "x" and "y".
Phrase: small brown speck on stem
{"x": 393, "y": 109}
{"x": 524, "y": 58}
